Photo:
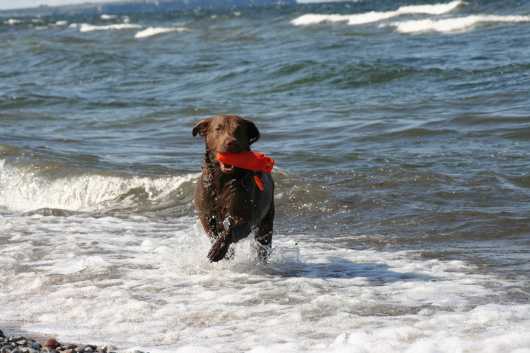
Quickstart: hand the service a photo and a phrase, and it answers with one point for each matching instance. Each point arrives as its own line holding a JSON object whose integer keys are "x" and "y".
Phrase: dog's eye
{"x": 218, "y": 128}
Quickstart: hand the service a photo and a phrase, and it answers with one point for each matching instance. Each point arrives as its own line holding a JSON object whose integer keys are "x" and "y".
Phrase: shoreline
{"x": 24, "y": 342}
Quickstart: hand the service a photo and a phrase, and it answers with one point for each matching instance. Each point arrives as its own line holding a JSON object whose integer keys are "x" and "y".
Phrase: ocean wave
{"x": 307, "y": 73}
{"x": 458, "y": 24}
{"x": 153, "y": 31}
{"x": 410, "y": 133}
{"x": 29, "y": 188}
{"x": 13, "y": 21}
{"x": 495, "y": 121}
{"x": 85, "y": 27}
{"x": 521, "y": 133}
{"x": 106, "y": 17}
{"x": 49, "y": 186}
{"x": 375, "y": 16}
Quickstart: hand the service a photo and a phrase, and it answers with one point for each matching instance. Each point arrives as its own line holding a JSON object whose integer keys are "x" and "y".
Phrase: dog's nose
{"x": 231, "y": 144}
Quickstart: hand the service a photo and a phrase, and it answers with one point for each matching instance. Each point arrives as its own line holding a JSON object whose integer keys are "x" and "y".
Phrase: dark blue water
{"x": 385, "y": 138}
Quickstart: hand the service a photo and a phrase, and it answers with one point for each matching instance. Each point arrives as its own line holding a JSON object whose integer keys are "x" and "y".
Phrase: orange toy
{"x": 254, "y": 161}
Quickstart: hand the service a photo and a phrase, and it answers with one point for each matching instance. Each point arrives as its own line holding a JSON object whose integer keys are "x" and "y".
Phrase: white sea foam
{"x": 85, "y": 27}
{"x": 23, "y": 189}
{"x": 374, "y": 16}
{"x": 13, "y": 21}
{"x": 61, "y": 23}
{"x": 153, "y": 31}
{"x": 141, "y": 283}
{"x": 457, "y": 24}
{"x": 106, "y": 17}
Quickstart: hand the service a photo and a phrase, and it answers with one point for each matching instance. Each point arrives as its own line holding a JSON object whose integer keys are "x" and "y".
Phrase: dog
{"x": 229, "y": 203}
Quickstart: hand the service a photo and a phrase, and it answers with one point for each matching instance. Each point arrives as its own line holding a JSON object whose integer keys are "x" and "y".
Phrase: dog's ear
{"x": 252, "y": 131}
{"x": 201, "y": 127}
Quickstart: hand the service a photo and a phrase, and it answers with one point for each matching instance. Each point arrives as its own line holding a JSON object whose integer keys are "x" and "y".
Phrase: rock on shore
{"x": 21, "y": 344}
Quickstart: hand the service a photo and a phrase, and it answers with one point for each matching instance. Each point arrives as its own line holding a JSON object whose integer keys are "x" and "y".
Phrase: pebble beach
{"x": 21, "y": 344}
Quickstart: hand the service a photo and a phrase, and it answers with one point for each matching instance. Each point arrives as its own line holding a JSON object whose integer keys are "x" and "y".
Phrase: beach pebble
{"x": 51, "y": 343}
{"x": 19, "y": 344}
{"x": 88, "y": 349}
{"x": 108, "y": 349}
{"x": 36, "y": 345}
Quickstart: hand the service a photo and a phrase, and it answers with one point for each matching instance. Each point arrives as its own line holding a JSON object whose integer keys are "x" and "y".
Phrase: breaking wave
{"x": 153, "y": 31}
{"x": 375, "y": 16}
{"x": 106, "y": 17}
{"x": 457, "y": 24}
{"x": 12, "y": 21}
{"x": 85, "y": 27}
{"x": 29, "y": 188}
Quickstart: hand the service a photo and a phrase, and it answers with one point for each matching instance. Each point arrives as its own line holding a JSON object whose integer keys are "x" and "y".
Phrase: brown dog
{"x": 228, "y": 202}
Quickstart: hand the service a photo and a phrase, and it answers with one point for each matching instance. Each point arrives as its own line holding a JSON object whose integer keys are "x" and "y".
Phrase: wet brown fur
{"x": 230, "y": 205}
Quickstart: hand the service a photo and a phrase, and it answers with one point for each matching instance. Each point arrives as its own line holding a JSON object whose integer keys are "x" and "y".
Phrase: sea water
{"x": 401, "y": 132}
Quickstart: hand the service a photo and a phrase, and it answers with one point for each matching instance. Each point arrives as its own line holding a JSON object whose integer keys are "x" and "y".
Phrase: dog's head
{"x": 227, "y": 133}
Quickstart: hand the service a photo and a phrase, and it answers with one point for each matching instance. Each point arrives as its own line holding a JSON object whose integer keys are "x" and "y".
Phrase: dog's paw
{"x": 263, "y": 253}
{"x": 219, "y": 248}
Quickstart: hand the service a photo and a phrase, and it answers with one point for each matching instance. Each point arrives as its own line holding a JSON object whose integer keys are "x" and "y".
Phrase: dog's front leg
{"x": 220, "y": 247}
{"x": 232, "y": 234}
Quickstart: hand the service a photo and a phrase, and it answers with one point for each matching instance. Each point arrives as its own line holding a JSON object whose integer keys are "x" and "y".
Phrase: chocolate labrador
{"x": 227, "y": 199}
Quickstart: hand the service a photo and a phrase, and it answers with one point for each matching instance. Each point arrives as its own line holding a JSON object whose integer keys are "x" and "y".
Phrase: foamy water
{"x": 145, "y": 283}
{"x": 140, "y": 283}
{"x": 85, "y": 27}
{"x": 13, "y": 21}
{"x": 153, "y": 31}
{"x": 456, "y": 24}
{"x": 374, "y": 16}
{"x": 106, "y": 17}
{"x": 434, "y": 24}
{"x": 23, "y": 188}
